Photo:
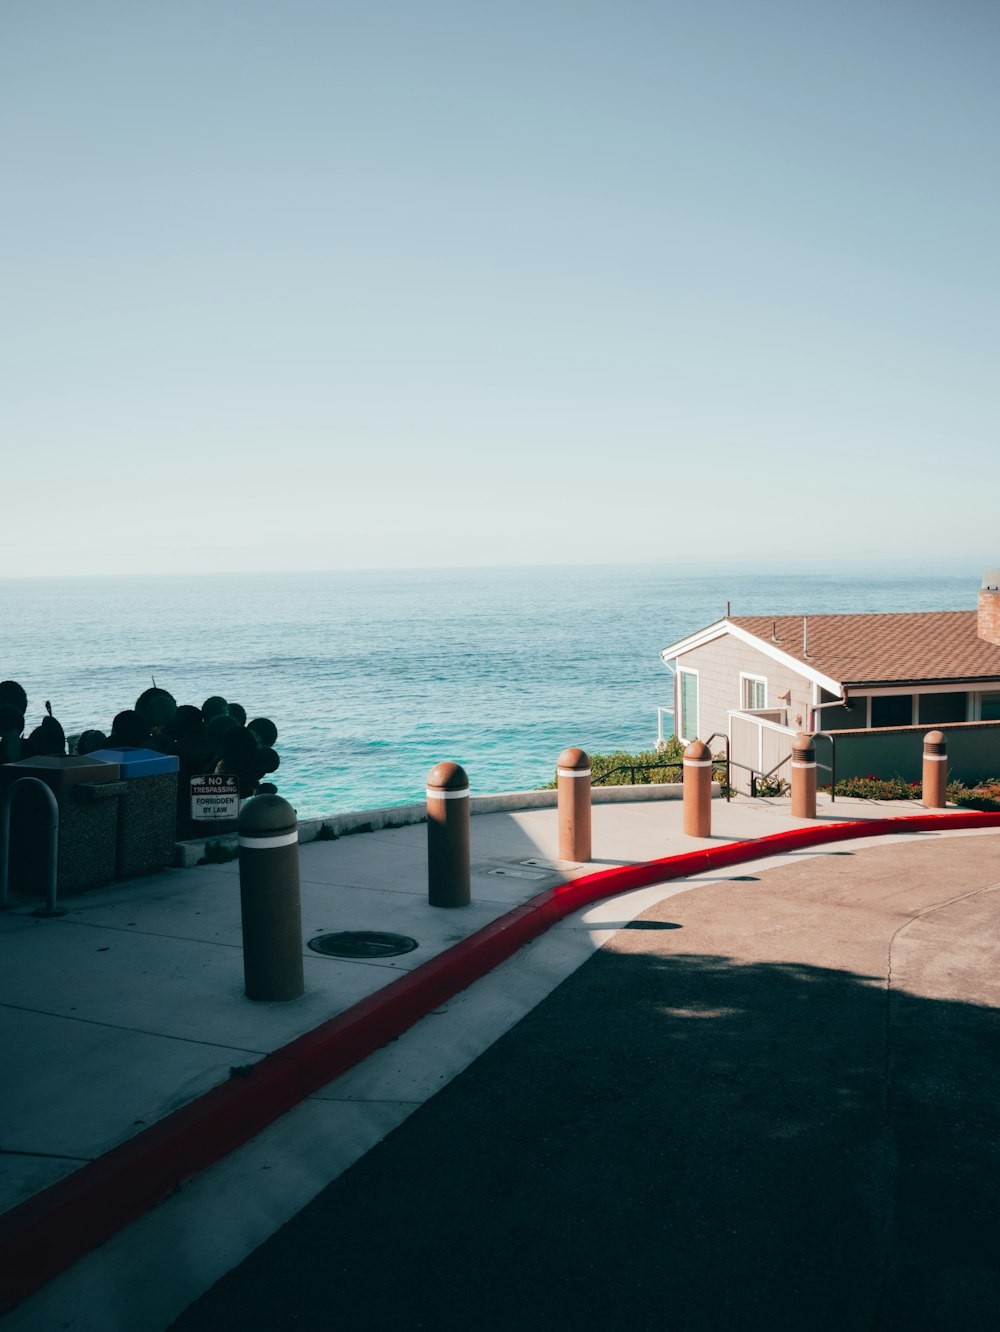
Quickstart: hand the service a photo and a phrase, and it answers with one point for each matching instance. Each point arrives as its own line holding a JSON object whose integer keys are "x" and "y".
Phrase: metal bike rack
{"x": 50, "y": 908}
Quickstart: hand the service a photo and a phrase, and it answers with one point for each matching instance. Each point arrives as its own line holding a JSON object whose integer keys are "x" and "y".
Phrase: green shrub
{"x": 985, "y": 796}
{"x": 877, "y": 788}
{"x": 646, "y": 768}
{"x": 217, "y": 853}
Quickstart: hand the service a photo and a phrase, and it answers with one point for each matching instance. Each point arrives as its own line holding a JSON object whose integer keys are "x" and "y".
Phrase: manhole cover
{"x": 362, "y": 943}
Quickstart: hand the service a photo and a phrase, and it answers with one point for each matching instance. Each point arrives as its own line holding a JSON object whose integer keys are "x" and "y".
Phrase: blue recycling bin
{"x": 147, "y": 812}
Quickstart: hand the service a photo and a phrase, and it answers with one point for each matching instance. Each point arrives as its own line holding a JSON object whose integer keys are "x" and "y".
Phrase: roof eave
{"x": 721, "y": 627}
{"x": 914, "y": 683}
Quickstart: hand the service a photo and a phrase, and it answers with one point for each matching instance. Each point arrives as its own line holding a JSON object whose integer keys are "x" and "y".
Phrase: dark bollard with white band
{"x": 573, "y": 782}
{"x": 935, "y": 773}
{"x": 698, "y": 790}
{"x": 803, "y": 777}
{"x": 449, "y": 865}
{"x": 269, "y": 899}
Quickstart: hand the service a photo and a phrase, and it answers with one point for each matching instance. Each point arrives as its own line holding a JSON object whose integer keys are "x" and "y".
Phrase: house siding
{"x": 719, "y": 664}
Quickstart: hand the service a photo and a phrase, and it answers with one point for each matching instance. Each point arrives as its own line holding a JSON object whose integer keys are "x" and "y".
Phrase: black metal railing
{"x": 673, "y": 765}
{"x": 830, "y": 767}
{"x": 726, "y": 763}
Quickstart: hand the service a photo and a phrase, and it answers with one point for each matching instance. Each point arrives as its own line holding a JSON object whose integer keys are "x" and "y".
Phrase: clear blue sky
{"x": 320, "y": 285}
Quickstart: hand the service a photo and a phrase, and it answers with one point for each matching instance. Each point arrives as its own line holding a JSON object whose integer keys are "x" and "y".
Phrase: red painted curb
{"x": 50, "y": 1231}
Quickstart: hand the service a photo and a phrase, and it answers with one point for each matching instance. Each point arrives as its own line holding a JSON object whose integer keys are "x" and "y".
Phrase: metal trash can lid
{"x": 58, "y": 771}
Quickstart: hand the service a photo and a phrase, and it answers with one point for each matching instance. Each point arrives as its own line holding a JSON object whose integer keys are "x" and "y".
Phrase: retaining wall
{"x": 191, "y": 852}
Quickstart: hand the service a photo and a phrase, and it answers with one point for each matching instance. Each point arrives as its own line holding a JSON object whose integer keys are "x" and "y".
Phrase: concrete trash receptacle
{"x": 87, "y": 793}
{"x": 147, "y": 815}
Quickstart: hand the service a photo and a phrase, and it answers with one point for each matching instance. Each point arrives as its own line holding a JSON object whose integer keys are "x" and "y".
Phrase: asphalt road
{"x": 769, "y": 1103}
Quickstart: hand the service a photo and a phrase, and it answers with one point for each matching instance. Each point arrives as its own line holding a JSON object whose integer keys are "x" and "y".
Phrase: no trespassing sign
{"x": 215, "y": 797}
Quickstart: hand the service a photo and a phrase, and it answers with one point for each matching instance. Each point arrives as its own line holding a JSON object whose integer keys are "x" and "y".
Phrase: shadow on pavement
{"x": 670, "y": 1141}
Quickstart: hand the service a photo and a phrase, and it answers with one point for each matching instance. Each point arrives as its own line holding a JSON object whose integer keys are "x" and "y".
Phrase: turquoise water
{"x": 372, "y": 678}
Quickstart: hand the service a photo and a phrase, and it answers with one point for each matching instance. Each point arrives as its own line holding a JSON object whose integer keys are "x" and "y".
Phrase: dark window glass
{"x": 843, "y": 719}
{"x": 892, "y": 710}
{"x": 935, "y": 709}
{"x": 990, "y": 709}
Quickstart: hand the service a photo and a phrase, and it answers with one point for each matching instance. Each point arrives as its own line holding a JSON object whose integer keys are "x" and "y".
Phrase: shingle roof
{"x": 869, "y": 649}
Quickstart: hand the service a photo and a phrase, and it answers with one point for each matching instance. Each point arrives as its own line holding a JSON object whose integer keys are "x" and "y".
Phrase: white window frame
{"x": 977, "y": 703}
{"x": 681, "y": 719}
{"x": 745, "y": 678}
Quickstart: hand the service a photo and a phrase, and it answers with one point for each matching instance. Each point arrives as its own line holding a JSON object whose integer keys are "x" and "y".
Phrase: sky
{"x": 308, "y": 284}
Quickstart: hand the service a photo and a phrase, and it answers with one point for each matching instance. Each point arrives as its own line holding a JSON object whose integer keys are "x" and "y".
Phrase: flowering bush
{"x": 984, "y": 796}
{"x": 877, "y": 788}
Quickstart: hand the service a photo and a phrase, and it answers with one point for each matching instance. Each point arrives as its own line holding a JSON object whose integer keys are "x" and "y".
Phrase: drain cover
{"x": 362, "y": 943}
{"x": 517, "y": 874}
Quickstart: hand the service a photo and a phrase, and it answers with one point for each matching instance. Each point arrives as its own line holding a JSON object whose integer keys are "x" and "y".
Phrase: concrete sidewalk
{"x": 133, "y": 1005}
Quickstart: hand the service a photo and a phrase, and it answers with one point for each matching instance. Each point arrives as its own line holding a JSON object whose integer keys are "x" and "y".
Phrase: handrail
{"x": 833, "y": 762}
{"x": 756, "y": 775}
{"x": 50, "y": 909}
{"x": 633, "y": 768}
{"x": 720, "y": 735}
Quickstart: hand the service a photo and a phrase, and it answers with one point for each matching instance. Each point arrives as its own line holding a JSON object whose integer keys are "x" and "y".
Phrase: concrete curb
{"x": 48, "y": 1232}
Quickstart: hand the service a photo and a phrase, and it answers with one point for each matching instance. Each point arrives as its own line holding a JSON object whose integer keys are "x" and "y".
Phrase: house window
{"x": 989, "y": 707}
{"x": 892, "y": 710}
{"x": 689, "y": 705}
{"x": 936, "y": 709}
{"x": 754, "y": 689}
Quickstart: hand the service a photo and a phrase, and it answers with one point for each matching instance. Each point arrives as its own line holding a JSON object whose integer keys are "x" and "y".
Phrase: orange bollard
{"x": 698, "y": 790}
{"x": 573, "y": 774}
{"x": 449, "y": 864}
{"x": 803, "y": 777}
{"x": 935, "y": 772}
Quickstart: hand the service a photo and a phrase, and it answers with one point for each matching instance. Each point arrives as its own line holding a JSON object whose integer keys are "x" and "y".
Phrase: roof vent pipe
{"x": 774, "y": 631}
{"x": 805, "y": 636}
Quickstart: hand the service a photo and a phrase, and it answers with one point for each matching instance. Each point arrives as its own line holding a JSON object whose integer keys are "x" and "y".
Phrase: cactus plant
{"x": 129, "y": 729}
{"x": 269, "y": 760}
{"x": 13, "y": 695}
{"x": 213, "y": 707}
{"x": 89, "y": 741}
{"x": 47, "y": 739}
{"x": 265, "y": 731}
{"x": 157, "y": 706}
{"x": 11, "y": 729}
{"x": 239, "y": 745}
{"x": 216, "y": 728}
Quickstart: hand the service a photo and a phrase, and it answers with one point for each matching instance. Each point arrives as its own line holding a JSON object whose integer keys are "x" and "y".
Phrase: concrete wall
{"x": 719, "y": 664}
{"x": 973, "y": 752}
{"x": 190, "y": 852}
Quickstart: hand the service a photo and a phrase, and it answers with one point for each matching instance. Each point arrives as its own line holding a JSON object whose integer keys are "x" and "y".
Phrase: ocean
{"x": 373, "y": 677}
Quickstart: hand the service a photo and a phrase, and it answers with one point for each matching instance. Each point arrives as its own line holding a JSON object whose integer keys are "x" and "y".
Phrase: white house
{"x": 759, "y": 679}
